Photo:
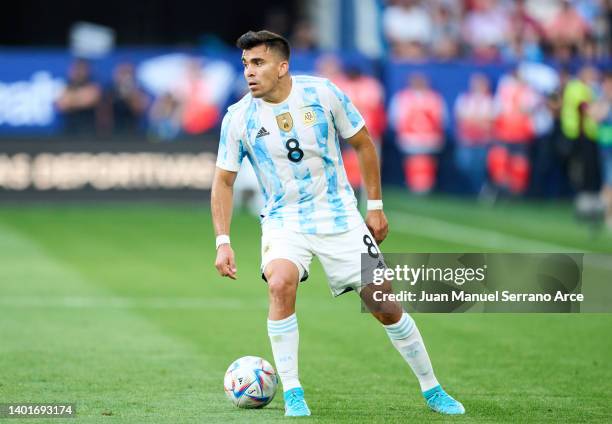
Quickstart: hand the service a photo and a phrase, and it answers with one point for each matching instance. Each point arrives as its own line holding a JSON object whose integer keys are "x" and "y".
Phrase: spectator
{"x": 600, "y": 27}
{"x": 446, "y": 33}
{"x": 550, "y": 150}
{"x": 485, "y": 29}
{"x": 579, "y": 127}
{"x": 578, "y": 95}
{"x": 79, "y": 101}
{"x": 474, "y": 114}
{"x": 124, "y": 104}
{"x": 408, "y": 29}
{"x": 199, "y": 112}
{"x": 521, "y": 21}
{"x": 165, "y": 118}
{"x": 418, "y": 117}
{"x": 489, "y": 29}
{"x": 508, "y": 160}
{"x": 566, "y": 31}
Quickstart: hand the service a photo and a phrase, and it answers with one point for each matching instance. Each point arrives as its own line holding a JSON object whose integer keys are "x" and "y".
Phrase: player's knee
{"x": 280, "y": 287}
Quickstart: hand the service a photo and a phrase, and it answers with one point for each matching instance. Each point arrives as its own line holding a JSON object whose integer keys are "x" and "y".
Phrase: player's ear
{"x": 283, "y": 68}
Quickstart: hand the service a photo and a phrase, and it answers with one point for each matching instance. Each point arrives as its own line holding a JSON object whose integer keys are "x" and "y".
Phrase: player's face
{"x": 262, "y": 69}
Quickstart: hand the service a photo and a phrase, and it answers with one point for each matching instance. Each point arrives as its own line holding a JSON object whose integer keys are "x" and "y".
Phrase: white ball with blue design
{"x": 250, "y": 382}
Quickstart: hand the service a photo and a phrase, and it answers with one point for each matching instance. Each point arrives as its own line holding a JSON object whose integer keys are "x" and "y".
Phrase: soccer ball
{"x": 250, "y": 382}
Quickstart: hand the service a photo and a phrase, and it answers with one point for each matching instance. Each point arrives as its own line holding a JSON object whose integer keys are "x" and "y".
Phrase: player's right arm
{"x": 221, "y": 207}
{"x": 229, "y": 158}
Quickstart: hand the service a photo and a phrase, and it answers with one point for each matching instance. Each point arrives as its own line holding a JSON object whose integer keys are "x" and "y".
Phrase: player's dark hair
{"x": 272, "y": 41}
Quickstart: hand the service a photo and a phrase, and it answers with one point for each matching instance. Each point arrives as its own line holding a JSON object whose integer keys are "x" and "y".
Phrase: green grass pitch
{"x": 118, "y": 308}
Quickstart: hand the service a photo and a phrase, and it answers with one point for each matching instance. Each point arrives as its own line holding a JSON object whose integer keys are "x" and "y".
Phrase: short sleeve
{"x": 231, "y": 151}
{"x": 347, "y": 118}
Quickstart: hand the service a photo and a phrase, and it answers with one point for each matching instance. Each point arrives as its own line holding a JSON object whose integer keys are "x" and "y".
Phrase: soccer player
{"x": 288, "y": 127}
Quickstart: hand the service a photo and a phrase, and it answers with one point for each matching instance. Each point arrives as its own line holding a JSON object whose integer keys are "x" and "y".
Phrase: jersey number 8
{"x": 294, "y": 154}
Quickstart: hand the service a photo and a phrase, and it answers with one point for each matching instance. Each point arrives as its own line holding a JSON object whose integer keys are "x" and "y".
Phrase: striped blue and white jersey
{"x": 295, "y": 152}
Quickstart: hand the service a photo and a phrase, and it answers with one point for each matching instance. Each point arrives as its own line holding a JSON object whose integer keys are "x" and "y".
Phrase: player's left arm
{"x": 375, "y": 220}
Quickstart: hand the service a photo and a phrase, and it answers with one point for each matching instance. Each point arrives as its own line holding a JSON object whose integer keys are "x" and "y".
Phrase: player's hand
{"x": 376, "y": 221}
{"x": 225, "y": 263}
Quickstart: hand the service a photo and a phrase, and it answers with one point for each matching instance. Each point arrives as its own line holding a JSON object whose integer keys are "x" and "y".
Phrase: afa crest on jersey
{"x": 309, "y": 117}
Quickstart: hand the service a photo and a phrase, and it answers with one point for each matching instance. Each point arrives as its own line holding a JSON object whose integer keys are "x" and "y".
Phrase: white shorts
{"x": 340, "y": 254}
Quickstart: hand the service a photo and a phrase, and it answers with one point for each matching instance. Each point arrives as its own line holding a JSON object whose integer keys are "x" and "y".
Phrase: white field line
{"x": 438, "y": 229}
{"x": 407, "y": 223}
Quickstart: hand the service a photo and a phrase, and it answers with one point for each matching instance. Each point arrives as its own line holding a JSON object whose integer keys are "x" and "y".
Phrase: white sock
{"x": 284, "y": 337}
{"x": 406, "y": 338}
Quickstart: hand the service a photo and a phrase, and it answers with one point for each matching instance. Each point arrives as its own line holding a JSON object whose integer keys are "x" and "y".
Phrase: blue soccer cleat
{"x": 295, "y": 405}
{"x": 440, "y": 401}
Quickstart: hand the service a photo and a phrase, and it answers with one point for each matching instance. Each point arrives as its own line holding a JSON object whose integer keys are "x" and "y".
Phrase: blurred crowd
{"x": 492, "y": 30}
{"x": 124, "y": 109}
{"x": 505, "y": 140}
{"x": 506, "y": 137}
{"x": 502, "y": 135}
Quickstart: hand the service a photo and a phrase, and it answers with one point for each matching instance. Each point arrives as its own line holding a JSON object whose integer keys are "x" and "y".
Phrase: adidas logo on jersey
{"x": 262, "y": 132}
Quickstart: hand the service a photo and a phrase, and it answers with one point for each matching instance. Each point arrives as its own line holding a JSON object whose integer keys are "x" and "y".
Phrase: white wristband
{"x": 375, "y": 205}
{"x": 222, "y": 239}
